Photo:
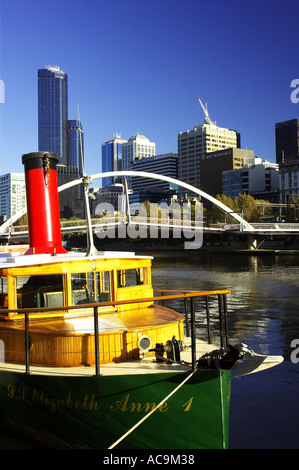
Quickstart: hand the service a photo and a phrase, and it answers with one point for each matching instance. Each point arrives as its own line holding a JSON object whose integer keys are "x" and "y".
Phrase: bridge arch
{"x": 144, "y": 174}
{"x": 195, "y": 190}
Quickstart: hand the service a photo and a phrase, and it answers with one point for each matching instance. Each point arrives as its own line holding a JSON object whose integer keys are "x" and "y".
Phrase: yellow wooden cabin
{"x": 60, "y": 292}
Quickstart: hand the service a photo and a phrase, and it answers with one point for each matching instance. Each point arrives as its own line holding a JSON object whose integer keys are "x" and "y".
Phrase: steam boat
{"x": 90, "y": 357}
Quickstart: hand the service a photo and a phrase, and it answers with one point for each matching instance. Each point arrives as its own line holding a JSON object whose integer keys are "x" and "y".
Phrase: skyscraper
{"x": 112, "y": 158}
{"x": 76, "y": 144}
{"x": 138, "y": 146}
{"x": 53, "y": 133}
{"x": 287, "y": 141}
{"x": 56, "y": 133}
{"x": 194, "y": 144}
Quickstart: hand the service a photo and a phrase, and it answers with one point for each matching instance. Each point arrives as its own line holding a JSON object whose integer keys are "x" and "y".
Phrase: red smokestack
{"x": 42, "y": 203}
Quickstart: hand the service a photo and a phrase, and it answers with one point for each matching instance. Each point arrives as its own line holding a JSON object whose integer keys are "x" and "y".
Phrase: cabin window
{"x": 90, "y": 287}
{"x": 131, "y": 277}
{"x": 40, "y": 291}
{"x": 3, "y": 292}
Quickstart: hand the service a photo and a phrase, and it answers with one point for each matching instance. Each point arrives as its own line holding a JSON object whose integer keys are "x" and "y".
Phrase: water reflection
{"x": 264, "y": 290}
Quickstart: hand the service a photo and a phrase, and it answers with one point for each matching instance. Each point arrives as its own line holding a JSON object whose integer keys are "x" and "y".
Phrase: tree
{"x": 244, "y": 205}
{"x": 215, "y": 214}
{"x": 23, "y": 220}
{"x": 248, "y": 205}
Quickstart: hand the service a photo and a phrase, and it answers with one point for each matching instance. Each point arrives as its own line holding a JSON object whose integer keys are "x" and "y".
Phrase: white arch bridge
{"x": 241, "y": 226}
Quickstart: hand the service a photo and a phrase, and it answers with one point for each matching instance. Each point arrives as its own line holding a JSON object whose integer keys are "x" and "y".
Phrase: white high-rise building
{"x": 135, "y": 148}
{"x": 12, "y": 194}
{"x": 199, "y": 141}
{"x": 192, "y": 145}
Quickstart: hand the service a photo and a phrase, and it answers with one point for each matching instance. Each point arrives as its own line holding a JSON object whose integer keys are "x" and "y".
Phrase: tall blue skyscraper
{"x": 56, "y": 133}
{"x": 53, "y": 132}
{"x": 112, "y": 158}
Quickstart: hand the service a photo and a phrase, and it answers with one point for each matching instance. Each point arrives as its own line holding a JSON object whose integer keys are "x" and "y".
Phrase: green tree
{"x": 215, "y": 215}
{"x": 296, "y": 201}
{"x": 22, "y": 220}
{"x": 248, "y": 205}
{"x": 243, "y": 204}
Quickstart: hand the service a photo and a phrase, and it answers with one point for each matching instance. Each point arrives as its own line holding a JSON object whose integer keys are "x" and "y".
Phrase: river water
{"x": 263, "y": 313}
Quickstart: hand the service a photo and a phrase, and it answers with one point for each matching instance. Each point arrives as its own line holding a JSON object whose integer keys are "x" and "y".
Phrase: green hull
{"x": 95, "y": 411}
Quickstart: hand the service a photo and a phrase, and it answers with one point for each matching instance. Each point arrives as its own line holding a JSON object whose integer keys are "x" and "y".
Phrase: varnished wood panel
{"x": 55, "y": 343}
{"x": 136, "y": 292}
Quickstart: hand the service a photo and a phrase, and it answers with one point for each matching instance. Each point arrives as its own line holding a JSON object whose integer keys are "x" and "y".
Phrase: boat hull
{"x": 96, "y": 411}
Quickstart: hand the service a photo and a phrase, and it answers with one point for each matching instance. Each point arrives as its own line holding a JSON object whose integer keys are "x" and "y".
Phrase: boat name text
{"x": 41, "y": 398}
{"x": 126, "y": 404}
{"x": 88, "y": 402}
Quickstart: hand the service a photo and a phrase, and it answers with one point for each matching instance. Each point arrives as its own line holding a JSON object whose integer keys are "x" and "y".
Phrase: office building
{"x": 214, "y": 163}
{"x": 12, "y": 194}
{"x": 53, "y": 133}
{"x": 56, "y": 133}
{"x": 287, "y": 141}
{"x": 289, "y": 181}
{"x": 137, "y": 147}
{"x": 257, "y": 177}
{"x": 71, "y": 200}
{"x": 199, "y": 141}
{"x": 76, "y": 144}
{"x": 151, "y": 189}
{"x": 112, "y": 158}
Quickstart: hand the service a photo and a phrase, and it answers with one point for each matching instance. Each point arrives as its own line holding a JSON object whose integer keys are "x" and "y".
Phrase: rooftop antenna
{"x": 207, "y": 120}
{"x": 91, "y": 250}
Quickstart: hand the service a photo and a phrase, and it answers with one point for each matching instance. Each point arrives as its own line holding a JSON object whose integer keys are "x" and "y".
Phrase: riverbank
{"x": 258, "y": 252}
{"x": 211, "y": 243}
{"x": 166, "y": 247}
{"x": 190, "y": 253}
{"x": 161, "y": 247}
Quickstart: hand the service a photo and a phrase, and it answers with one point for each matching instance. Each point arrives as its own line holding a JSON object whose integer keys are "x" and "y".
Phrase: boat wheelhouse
{"x": 60, "y": 293}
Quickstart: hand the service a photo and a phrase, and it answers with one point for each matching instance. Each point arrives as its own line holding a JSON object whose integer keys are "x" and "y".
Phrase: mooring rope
{"x": 152, "y": 411}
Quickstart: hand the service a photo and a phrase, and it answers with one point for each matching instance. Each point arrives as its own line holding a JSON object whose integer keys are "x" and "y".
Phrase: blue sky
{"x": 139, "y": 66}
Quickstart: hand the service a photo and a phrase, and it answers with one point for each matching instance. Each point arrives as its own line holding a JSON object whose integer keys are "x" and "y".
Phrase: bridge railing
{"x": 266, "y": 227}
{"x": 104, "y": 223}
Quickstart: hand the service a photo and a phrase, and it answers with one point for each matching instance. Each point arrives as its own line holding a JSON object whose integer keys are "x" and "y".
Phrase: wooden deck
{"x": 147, "y": 365}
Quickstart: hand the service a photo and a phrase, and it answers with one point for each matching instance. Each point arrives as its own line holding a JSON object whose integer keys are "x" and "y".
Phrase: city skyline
{"x": 140, "y": 66}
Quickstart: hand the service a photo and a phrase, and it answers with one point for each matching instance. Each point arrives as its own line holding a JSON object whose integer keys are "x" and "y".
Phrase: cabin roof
{"x": 16, "y": 259}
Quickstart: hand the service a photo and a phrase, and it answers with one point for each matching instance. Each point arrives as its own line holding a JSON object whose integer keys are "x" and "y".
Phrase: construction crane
{"x": 207, "y": 120}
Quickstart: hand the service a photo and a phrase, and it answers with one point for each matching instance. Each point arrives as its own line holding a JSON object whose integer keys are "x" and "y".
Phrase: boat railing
{"x": 222, "y": 310}
{"x": 165, "y": 295}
